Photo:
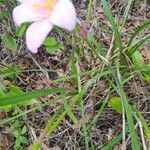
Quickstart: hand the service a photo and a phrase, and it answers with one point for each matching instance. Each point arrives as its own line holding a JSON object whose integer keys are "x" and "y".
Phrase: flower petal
{"x": 23, "y": 1}
{"x": 63, "y": 15}
{"x": 25, "y": 13}
{"x": 36, "y": 34}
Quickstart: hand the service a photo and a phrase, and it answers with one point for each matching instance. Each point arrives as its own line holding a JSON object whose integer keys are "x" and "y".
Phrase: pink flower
{"x": 44, "y": 14}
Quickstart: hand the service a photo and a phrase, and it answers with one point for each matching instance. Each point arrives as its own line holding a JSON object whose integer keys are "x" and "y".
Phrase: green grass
{"x": 116, "y": 67}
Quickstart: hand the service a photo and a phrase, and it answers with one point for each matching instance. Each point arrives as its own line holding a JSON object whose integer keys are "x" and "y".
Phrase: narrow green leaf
{"x": 69, "y": 112}
{"x": 128, "y": 112}
{"x": 115, "y": 103}
{"x": 111, "y": 144}
{"x": 24, "y": 129}
{"x": 145, "y": 25}
{"x": 101, "y": 109}
{"x": 112, "y": 21}
{"x": 144, "y": 123}
{"x": 146, "y": 76}
{"x": 23, "y": 113}
{"x": 73, "y": 65}
{"x": 93, "y": 41}
{"x": 137, "y": 58}
{"x": 81, "y": 104}
{"x": 61, "y": 116}
{"x": 126, "y": 12}
{"x": 36, "y": 146}
{"x": 30, "y": 95}
{"x": 10, "y": 42}
{"x": 54, "y": 122}
{"x": 15, "y": 90}
{"x": 138, "y": 44}
{"x": 21, "y": 30}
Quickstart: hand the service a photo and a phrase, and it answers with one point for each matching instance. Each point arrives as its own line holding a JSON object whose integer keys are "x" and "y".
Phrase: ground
{"x": 93, "y": 121}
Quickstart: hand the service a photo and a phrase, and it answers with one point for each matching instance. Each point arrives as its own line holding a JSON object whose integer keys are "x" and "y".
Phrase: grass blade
{"x": 30, "y": 95}
{"x": 113, "y": 142}
{"x": 129, "y": 113}
{"x": 69, "y": 112}
{"x": 51, "y": 101}
{"x": 54, "y": 122}
{"x": 114, "y": 26}
{"x": 145, "y": 25}
{"x": 126, "y": 12}
{"x": 138, "y": 45}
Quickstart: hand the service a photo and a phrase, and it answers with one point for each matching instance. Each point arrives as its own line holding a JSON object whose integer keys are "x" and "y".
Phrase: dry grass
{"x": 68, "y": 135}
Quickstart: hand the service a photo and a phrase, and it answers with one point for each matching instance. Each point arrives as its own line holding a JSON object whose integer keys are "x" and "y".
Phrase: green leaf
{"x": 137, "y": 58}
{"x": 146, "y": 76}
{"x": 73, "y": 64}
{"x": 8, "y": 72}
{"x": 126, "y": 12}
{"x": 16, "y": 133}
{"x": 52, "y": 49}
{"x": 10, "y": 42}
{"x": 128, "y": 111}
{"x": 138, "y": 44}
{"x": 24, "y": 113}
{"x": 53, "y": 125}
{"x": 50, "y": 41}
{"x": 23, "y": 139}
{"x": 97, "y": 44}
{"x": 114, "y": 25}
{"x": 61, "y": 46}
{"x": 144, "y": 123}
{"x": 15, "y": 90}
{"x": 24, "y": 130}
{"x": 115, "y": 103}
{"x": 57, "y": 47}
{"x": 2, "y": 89}
{"x": 69, "y": 112}
{"x": 15, "y": 99}
{"x": 20, "y": 30}
{"x": 54, "y": 122}
{"x": 111, "y": 144}
{"x": 145, "y": 25}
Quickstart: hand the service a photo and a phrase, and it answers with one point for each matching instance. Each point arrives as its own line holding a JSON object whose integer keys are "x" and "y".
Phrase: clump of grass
{"x": 89, "y": 64}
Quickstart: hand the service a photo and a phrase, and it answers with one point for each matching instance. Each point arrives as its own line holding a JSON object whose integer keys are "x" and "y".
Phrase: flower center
{"x": 48, "y": 4}
{"x": 45, "y": 7}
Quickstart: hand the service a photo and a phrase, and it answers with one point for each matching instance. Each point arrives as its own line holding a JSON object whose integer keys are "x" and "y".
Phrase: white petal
{"x": 63, "y": 15}
{"x": 24, "y": 1}
{"x": 36, "y": 34}
{"x": 25, "y": 13}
